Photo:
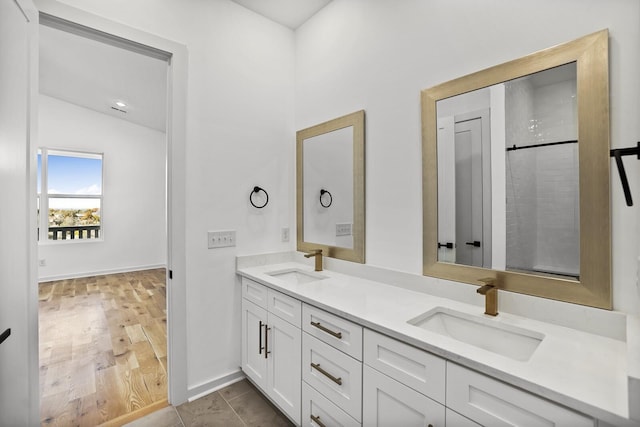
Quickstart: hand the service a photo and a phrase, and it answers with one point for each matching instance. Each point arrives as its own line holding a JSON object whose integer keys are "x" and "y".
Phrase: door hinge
{"x": 170, "y": 274}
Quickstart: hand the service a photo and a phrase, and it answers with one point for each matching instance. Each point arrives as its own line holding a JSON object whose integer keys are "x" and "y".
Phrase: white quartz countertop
{"x": 586, "y": 372}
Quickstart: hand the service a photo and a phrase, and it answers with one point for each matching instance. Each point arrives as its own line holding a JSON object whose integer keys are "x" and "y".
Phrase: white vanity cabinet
{"x": 331, "y": 369}
{"x": 323, "y": 370}
{"x": 271, "y": 345}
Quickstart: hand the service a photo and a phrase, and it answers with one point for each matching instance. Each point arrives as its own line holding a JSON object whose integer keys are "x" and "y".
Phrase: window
{"x": 72, "y": 195}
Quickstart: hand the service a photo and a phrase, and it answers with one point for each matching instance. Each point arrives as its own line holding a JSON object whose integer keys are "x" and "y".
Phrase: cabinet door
{"x": 386, "y": 402}
{"x": 254, "y": 362}
{"x": 490, "y": 402}
{"x": 284, "y": 347}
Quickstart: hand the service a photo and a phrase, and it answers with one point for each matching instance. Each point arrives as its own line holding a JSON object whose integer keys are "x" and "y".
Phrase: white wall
{"x": 240, "y": 134}
{"x": 134, "y": 202}
{"x": 378, "y": 55}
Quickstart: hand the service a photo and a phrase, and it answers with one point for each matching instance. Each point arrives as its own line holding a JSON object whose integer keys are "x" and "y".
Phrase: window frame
{"x": 43, "y": 195}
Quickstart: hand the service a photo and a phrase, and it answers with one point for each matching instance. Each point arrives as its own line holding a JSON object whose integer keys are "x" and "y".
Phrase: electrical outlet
{"x": 221, "y": 239}
{"x": 343, "y": 229}
{"x": 42, "y": 262}
{"x": 285, "y": 234}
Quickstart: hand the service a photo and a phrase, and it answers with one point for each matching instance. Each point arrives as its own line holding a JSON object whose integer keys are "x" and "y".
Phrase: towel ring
{"x": 322, "y": 193}
{"x": 257, "y": 189}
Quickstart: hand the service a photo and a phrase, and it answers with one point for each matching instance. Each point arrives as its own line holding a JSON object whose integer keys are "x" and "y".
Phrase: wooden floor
{"x": 102, "y": 347}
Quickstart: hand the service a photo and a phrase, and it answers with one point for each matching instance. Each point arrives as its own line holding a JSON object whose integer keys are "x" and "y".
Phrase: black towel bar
{"x": 618, "y": 153}
{"x": 5, "y": 335}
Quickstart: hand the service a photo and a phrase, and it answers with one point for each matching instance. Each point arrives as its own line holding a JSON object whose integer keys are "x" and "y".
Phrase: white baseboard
{"x": 100, "y": 272}
{"x": 210, "y": 386}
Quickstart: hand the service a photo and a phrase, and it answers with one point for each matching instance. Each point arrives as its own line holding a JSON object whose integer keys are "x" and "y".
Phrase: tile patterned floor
{"x": 239, "y": 404}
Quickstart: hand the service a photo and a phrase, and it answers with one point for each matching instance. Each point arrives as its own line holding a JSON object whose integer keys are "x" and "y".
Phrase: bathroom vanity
{"x": 334, "y": 349}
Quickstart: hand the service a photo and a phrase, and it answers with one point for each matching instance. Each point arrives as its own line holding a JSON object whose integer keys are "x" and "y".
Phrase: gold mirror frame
{"x": 593, "y": 288}
{"x": 355, "y": 254}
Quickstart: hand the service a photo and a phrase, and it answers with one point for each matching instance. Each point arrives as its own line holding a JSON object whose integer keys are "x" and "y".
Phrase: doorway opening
{"x": 102, "y": 296}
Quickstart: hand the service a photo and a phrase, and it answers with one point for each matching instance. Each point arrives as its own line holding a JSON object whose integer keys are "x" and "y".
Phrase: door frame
{"x": 133, "y": 39}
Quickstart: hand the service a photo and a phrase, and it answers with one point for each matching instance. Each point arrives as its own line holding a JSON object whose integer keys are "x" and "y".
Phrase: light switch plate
{"x": 221, "y": 239}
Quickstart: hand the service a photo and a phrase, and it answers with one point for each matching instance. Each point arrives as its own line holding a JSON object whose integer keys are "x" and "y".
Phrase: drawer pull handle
{"x": 326, "y": 374}
{"x": 329, "y": 331}
{"x": 266, "y": 341}
{"x": 317, "y": 420}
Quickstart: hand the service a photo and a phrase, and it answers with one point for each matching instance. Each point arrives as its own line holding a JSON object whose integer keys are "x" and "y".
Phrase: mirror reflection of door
{"x": 472, "y": 142}
{"x": 468, "y": 159}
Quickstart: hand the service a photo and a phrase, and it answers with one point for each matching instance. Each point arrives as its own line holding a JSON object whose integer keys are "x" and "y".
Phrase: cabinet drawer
{"x": 285, "y": 307}
{"x": 334, "y": 374}
{"x": 488, "y": 401}
{"x": 340, "y": 333}
{"x": 254, "y": 292}
{"x": 318, "y": 411}
{"x": 387, "y": 403}
{"x": 415, "y": 368}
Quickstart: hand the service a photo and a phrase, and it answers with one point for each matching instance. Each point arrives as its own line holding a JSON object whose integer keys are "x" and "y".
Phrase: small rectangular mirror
{"x": 330, "y": 188}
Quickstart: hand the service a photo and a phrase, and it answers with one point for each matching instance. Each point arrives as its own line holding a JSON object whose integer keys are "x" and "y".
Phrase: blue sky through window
{"x": 74, "y": 175}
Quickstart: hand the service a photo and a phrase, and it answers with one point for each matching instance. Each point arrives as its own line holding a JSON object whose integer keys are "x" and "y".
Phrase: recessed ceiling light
{"x": 121, "y": 104}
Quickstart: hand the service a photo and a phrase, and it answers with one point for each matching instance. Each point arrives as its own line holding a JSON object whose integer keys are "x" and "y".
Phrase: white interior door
{"x": 18, "y": 305}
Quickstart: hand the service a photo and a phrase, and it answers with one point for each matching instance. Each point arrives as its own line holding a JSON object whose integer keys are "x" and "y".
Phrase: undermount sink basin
{"x": 510, "y": 341}
{"x": 296, "y": 276}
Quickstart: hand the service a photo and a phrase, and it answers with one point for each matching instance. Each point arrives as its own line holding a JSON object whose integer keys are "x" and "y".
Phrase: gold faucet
{"x": 490, "y": 291}
{"x": 318, "y": 254}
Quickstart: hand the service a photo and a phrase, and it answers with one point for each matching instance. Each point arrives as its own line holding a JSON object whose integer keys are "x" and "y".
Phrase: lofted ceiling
{"x": 96, "y": 75}
{"x": 290, "y": 13}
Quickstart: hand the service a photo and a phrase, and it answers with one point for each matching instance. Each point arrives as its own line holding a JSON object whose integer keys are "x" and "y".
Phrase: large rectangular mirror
{"x": 330, "y": 187}
{"x": 516, "y": 175}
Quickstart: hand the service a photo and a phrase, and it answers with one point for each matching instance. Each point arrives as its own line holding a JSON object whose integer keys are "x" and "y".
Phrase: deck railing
{"x": 74, "y": 232}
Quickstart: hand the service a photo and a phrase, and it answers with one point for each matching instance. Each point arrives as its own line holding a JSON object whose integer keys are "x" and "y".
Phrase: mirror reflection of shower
{"x": 542, "y": 177}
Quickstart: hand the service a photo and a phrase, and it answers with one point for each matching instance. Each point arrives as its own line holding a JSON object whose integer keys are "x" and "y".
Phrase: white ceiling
{"x": 95, "y": 75}
{"x": 290, "y": 13}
